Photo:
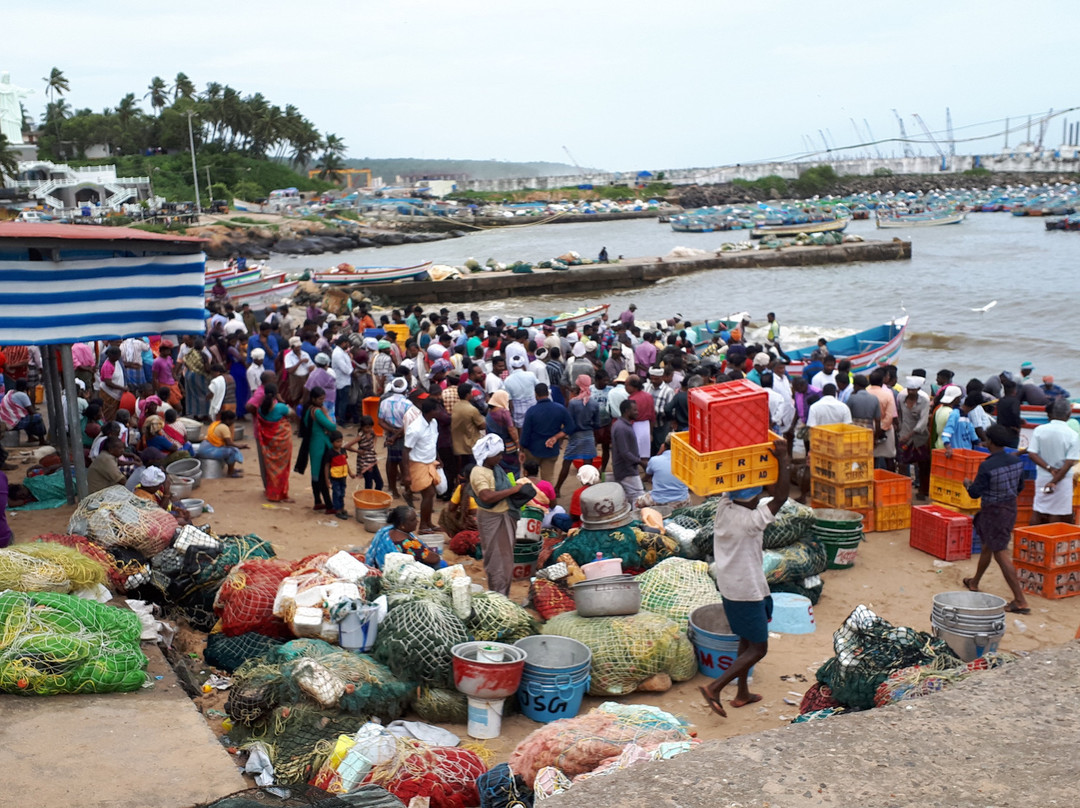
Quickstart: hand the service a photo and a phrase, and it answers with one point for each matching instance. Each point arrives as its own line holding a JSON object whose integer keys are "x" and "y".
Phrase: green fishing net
{"x": 793, "y": 523}
{"x": 440, "y": 705}
{"x": 53, "y": 643}
{"x": 416, "y": 581}
{"x": 675, "y": 587}
{"x": 795, "y": 562}
{"x": 415, "y": 639}
{"x": 229, "y": 653}
{"x": 626, "y": 651}
{"x": 302, "y": 796}
{"x": 299, "y": 738}
{"x": 496, "y": 618}
{"x": 637, "y": 548}
{"x": 868, "y": 649}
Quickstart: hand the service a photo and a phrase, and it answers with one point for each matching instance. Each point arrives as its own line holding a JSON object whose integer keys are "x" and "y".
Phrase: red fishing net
{"x": 245, "y": 601}
{"x": 550, "y": 598}
{"x": 446, "y": 775}
{"x": 818, "y": 697}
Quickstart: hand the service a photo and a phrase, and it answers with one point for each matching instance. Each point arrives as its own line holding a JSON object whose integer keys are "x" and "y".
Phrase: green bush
{"x": 883, "y": 172}
{"x": 816, "y": 181}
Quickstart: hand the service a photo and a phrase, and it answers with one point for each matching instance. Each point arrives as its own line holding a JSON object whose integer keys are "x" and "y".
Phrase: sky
{"x": 622, "y": 84}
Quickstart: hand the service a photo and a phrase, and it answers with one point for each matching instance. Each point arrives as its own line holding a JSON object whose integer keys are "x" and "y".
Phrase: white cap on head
{"x": 399, "y": 385}
{"x": 951, "y": 393}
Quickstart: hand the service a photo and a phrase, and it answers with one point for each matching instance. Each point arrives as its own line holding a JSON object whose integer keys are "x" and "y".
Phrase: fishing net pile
{"x": 869, "y": 649}
{"x": 922, "y": 680}
{"x": 496, "y": 618}
{"x": 415, "y": 639}
{"x": 639, "y": 549}
{"x": 116, "y": 576}
{"x": 203, "y": 568}
{"x": 575, "y": 746}
{"x": 699, "y": 519}
{"x": 642, "y": 651}
{"x": 229, "y": 653}
{"x": 792, "y": 523}
{"x": 797, "y": 568}
{"x": 115, "y": 517}
{"x": 675, "y": 587}
{"x": 502, "y": 788}
{"x": 47, "y": 567}
{"x": 299, "y": 738}
{"x": 54, "y": 643}
{"x": 441, "y": 705}
{"x": 304, "y": 796}
{"x": 550, "y": 598}
{"x": 245, "y": 599}
{"x": 405, "y": 579}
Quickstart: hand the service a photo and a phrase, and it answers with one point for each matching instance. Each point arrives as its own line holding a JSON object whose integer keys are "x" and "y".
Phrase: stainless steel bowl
{"x": 194, "y": 507}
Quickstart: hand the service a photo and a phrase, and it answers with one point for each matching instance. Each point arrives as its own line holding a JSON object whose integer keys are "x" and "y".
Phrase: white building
{"x": 62, "y": 187}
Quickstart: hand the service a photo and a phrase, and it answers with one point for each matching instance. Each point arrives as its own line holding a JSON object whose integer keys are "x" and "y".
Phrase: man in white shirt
{"x": 781, "y": 411}
{"x": 421, "y": 459}
{"x": 827, "y": 409}
{"x": 297, "y": 366}
{"x": 492, "y": 382}
{"x": 827, "y": 375}
{"x": 1055, "y": 450}
{"x": 538, "y": 367}
{"x": 520, "y": 384}
{"x": 256, "y": 369}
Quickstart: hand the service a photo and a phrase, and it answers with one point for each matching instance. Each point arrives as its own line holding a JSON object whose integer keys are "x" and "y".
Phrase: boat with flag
{"x": 348, "y": 275}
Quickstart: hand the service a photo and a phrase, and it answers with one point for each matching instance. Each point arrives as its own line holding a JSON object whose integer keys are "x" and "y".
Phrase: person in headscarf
{"x": 273, "y": 442}
{"x": 581, "y": 445}
{"x": 500, "y": 422}
{"x": 587, "y": 475}
{"x": 196, "y": 382}
{"x": 495, "y": 520}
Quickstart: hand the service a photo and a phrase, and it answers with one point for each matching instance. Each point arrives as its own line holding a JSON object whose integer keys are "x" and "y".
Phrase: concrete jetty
{"x": 627, "y": 274}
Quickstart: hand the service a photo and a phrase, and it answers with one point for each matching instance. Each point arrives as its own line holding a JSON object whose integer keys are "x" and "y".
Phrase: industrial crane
{"x": 908, "y": 151}
{"x": 572, "y": 160}
{"x": 873, "y": 139}
{"x": 930, "y": 137}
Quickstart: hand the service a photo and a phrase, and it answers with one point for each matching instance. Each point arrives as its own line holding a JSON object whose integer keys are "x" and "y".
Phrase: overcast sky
{"x": 623, "y": 84}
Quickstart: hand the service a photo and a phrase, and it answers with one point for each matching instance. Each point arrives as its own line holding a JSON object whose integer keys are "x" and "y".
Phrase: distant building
{"x": 63, "y": 187}
{"x": 439, "y": 188}
{"x": 417, "y": 177}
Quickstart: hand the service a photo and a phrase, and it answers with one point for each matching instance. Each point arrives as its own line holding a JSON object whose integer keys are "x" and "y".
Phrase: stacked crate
{"x": 892, "y": 501}
{"x": 1047, "y": 559}
{"x": 728, "y": 446}
{"x": 947, "y": 475}
{"x": 841, "y": 465}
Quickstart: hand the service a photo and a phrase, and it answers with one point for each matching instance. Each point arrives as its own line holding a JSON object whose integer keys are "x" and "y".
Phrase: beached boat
{"x": 266, "y": 297}
{"x": 828, "y": 226}
{"x": 237, "y": 279}
{"x": 582, "y": 316}
{"x": 886, "y": 221}
{"x": 255, "y": 285}
{"x": 360, "y": 275}
{"x": 867, "y": 349}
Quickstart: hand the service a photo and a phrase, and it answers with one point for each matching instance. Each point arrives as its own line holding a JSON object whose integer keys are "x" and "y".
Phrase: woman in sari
{"x": 196, "y": 382}
{"x": 219, "y": 444}
{"x": 238, "y": 370}
{"x": 315, "y": 428}
{"x": 160, "y": 448}
{"x": 501, "y": 423}
{"x": 399, "y": 536}
{"x": 273, "y": 440}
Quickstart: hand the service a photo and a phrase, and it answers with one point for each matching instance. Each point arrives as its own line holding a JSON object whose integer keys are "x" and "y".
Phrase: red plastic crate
{"x": 963, "y": 465}
{"x": 1049, "y": 547}
{"x": 728, "y": 416}
{"x": 1023, "y": 516}
{"x": 1026, "y": 498}
{"x": 891, "y": 489}
{"x": 941, "y": 532}
{"x": 845, "y": 497}
{"x": 1050, "y": 584}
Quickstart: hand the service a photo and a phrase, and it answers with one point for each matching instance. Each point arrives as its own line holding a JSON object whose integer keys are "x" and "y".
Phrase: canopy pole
{"x": 73, "y": 419}
{"x": 61, "y": 433}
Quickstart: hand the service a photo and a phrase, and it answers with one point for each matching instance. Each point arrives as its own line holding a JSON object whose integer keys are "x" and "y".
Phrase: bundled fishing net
{"x": 245, "y": 601}
{"x": 922, "y": 680}
{"x": 440, "y": 705}
{"x": 415, "y": 639}
{"x": 47, "y": 568}
{"x": 54, "y": 643}
{"x": 304, "y": 796}
{"x": 550, "y": 598}
{"x": 203, "y": 569}
{"x": 115, "y": 517}
{"x": 675, "y": 587}
{"x": 229, "y": 653}
{"x": 412, "y": 580}
{"x": 686, "y": 530}
{"x": 637, "y": 548}
{"x": 299, "y": 738}
{"x": 496, "y": 618}
{"x": 317, "y": 674}
{"x": 501, "y": 788}
{"x": 810, "y": 588}
{"x": 638, "y": 651}
{"x": 868, "y": 649}
{"x": 795, "y": 562}
{"x": 445, "y": 775}
{"x": 793, "y": 522}
{"x": 578, "y": 745}
{"x": 817, "y": 697}
{"x": 116, "y": 576}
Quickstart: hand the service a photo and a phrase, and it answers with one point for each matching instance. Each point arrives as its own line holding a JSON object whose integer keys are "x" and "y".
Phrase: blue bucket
{"x": 551, "y": 655}
{"x": 714, "y": 645}
{"x": 549, "y": 699}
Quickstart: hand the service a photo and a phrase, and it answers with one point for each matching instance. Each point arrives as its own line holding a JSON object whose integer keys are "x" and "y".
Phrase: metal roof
{"x": 87, "y": 232}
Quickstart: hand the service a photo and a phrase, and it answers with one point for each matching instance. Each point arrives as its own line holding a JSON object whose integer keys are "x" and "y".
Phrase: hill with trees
{"x": 390, "y": 167}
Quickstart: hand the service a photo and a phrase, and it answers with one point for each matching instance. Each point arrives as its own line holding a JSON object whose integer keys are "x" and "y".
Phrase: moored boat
{"x": 361, "y": 275}
{"x": 886, "y": 221}
{"x": 828, "y": 226}
{"x": 266, "y": 297}
{"x": 582, "y": 316}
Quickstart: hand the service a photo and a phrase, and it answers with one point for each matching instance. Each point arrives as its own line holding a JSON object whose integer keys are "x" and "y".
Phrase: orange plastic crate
{"x": 941, "y": 532}
{"x": 892, "y": 517}
{"x": 842, "y": 470}
{"x": 1023, "y": 516}
{"x": 1026, "y": 498}
{"x": 963, "y": 465}
{"x": 868, "y": 524}
{"x": 728, "y": 416}
{"x": 729, "y": 470}
{"x": 370, "y": 406}
{"x": 845, "y": 497}
{"x": 950, "y": 492}
{"x": 891, "y": 489}
{"x": 842, "y": 440}
{"x": 1051, "y": 546}
{"x": 1050, "y": 584}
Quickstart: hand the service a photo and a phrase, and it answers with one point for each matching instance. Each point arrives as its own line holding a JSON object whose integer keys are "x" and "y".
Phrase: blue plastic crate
{"x": 1029, "y": 464}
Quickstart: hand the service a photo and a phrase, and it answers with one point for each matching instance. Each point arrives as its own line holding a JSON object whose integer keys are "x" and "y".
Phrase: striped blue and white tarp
{"x": 45, "y": 302}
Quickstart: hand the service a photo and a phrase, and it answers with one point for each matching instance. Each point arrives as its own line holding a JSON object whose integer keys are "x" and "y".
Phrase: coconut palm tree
{"x": 335, "y": 145}
{"x": 184, "y": 87}
{"x": 9, "y": 158}
{"x": 158, "y": 94}
{"x": 330, "y": 166}
{"x": 56, "y": 83}
{"x": 127, "y": 109}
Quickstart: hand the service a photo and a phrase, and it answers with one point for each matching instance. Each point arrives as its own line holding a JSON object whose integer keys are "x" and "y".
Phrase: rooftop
{"x": 86, "y": 232}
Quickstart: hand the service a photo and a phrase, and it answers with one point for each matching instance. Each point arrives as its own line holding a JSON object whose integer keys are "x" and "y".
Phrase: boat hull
{"x": 266, "y": 297}
{"x": 889, "y": 223}
{"x": 834, "y": 226}
{"x": 371, "y": 275}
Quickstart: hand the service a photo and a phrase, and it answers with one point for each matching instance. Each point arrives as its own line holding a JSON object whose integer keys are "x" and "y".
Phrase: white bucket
{"x": 358, "y": 628}
{"x": 490, "y": 653}
{"x": 485, "y": 718}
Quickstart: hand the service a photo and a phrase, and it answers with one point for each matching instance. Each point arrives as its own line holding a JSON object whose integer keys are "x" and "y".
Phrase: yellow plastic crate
{"x": 844, "y": 497}
{"x": 841, "y": 440}
{"x": 842, "y": 470}
{"x": 728, "y": 470}
{"x": 893, "y": 517}
{"x": 950, "y": 492}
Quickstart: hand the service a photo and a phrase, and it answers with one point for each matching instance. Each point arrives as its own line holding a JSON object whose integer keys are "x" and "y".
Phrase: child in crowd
{"x": 337, "y": 462}
{"x": 367, "y": 463}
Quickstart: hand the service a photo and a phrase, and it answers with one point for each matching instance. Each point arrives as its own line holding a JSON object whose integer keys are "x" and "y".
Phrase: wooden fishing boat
{"x": 235, "y": 279}
{"x": 929, "y": 219}
{"x": 256, "y": 285}
{"x": 361, "y": 275}
{"x": 582, "y": 316}
{"x": 266, "y": 297}
{"x": 829, "y": 226}
{"x": 867, "y": 349}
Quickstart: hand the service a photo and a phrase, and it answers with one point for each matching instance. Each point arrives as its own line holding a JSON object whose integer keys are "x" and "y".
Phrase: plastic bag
{"x": 441, "y": 486}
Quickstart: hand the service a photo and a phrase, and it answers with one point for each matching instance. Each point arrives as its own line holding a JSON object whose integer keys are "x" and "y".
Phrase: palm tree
{"x": 56, "y": 84}
{"x": 335, "y": 145}
{"x": 184, "y": 87}
{"x": 158, "y": 94}
{"x": 127, "y": 109}
{"x": 9, "y": 158}
{"x": 330, "y": 166}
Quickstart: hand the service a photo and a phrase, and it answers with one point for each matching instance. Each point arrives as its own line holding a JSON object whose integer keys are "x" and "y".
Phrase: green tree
{"x": 9, "y": 158}
{"x": 248, "y": 191}
{"x": 158, "y": 94}
{"x": 184, "y": 87}
{"x": 330, "y": 166}
{"x": 56, "y": 84}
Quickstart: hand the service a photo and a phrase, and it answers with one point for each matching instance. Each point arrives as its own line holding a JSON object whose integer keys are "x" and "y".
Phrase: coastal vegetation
{"x": 652, "y": 190}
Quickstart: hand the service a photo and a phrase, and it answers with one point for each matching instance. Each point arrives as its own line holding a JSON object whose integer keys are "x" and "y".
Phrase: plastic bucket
{"x": 792, "y": 614}
{"x": 841, "y": 554}
{"x": 545, "y": 699}
{"x": 837, "y": 519}
{"x": 358, "y": 629}
{"x": 530, "y": 525}
{"x": 485, "y": 718}
{"x": 714, "y": 644}
{"x": 526, "y": 555}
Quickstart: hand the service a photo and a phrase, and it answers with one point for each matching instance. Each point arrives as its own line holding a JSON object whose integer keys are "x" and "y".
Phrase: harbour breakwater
{"x": 628, "y": 274}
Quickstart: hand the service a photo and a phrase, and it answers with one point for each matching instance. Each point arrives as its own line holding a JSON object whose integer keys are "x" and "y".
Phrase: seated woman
{"x": 154, "y": 486}
{"x": 158, "y": 448}
{"x": 398, "y": 537}
{"x": 218, "y": 444}
{"x": 175, "y": 432}
{"x": 459, "y": 513}
{"x": 90, "y": 424}
{"x": 545, "y": 491}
